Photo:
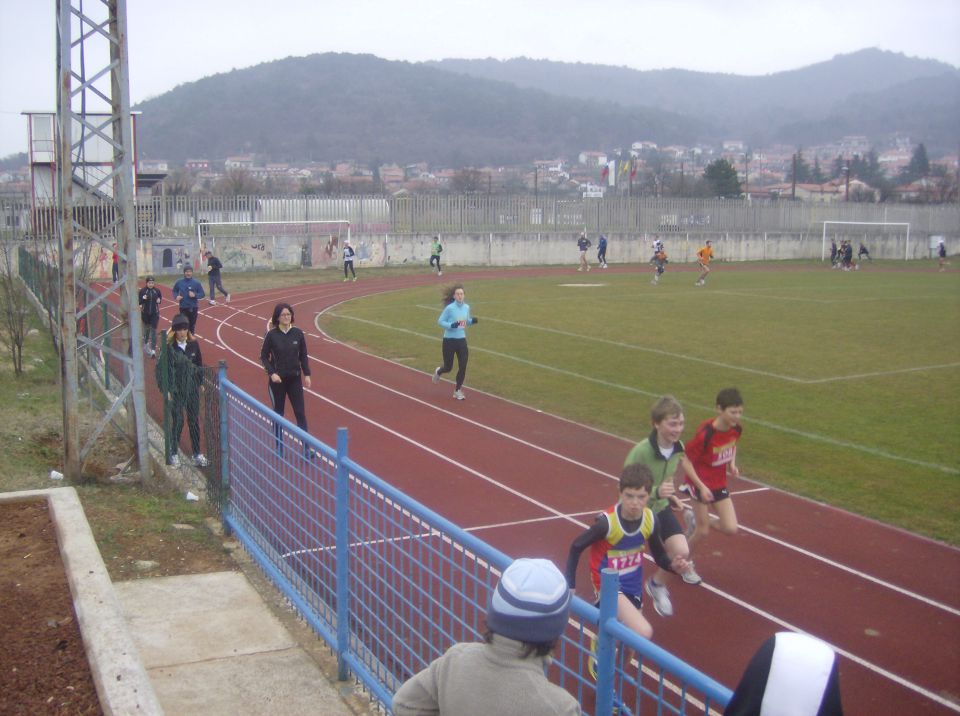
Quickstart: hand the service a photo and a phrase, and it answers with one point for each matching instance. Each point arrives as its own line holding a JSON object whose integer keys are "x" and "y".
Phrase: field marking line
{"x": 695, "y": 359}
{"x": 881, "y": 373}
{"x": 874, "y": 452}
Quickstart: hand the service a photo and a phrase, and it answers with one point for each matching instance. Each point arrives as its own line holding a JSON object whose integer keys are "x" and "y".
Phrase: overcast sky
{"x": 176, "y": 41}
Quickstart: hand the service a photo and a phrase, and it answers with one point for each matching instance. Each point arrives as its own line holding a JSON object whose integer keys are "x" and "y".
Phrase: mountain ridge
{"x": 330, "y": 106}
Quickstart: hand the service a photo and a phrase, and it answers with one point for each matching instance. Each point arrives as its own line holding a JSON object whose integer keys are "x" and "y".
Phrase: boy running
{"x": 618, "y": 539}
{"x": 213, "y": 276}
{"x": 663, "y": 453}
{"x": 435, "y": 250}
{"x": 659, "y": 261}
{"x": 149, "y": 300}
{"x": 713, "y": 452}
{"x": 583, "y": 243}
{"x": 704, "y": 256}
{"x": 602, "y": 251}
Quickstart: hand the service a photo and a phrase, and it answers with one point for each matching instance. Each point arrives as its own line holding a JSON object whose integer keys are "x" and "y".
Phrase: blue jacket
{"x": 183, "y": 285}
{"x": 451, "y": 316}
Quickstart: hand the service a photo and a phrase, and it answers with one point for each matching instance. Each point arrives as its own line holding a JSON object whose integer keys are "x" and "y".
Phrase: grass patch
{"x": 850, "y": 379}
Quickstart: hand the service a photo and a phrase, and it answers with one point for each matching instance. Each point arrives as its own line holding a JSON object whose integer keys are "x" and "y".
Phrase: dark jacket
{"x": 180, "y": 371}
{"x": 149, "y": 300}
{"x": 285, "y": 353}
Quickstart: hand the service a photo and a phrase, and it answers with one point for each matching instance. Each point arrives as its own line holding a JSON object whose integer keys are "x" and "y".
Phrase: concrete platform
{"x": 211, "y": 646}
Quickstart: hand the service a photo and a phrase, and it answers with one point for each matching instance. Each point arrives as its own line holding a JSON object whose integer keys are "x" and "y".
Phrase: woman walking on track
{"x": 284, "y": 357}
{"x": 454, "y": 320}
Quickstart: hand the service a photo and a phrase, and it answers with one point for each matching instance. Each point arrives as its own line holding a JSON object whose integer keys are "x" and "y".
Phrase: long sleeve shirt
{"x": 450, "y": 319}
{"x": 285, "y": 353}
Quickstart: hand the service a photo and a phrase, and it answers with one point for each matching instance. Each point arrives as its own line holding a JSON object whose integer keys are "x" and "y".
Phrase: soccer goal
{"x": 833, "y": 230}
{"x": 246, "y": 245}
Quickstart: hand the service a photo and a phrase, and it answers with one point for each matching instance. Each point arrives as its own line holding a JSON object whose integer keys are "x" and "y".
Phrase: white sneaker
{"x": 458, "y": 394}
{"x": 200, "y": 461}
{"x": 661, "y": 598}
{"x": 436, "y": 376}
{"x": 174, "y": 460}
{"x": 212, "y": 302}
{"x": 439, "y": 273}
{"x": 228, "y": 298}
{"x": 691, "y": 576}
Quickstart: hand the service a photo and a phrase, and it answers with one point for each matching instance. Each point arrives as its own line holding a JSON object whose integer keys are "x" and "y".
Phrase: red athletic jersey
{"x": 711, "y": 450}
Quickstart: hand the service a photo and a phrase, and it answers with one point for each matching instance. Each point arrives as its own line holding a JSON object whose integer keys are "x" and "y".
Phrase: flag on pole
{"x": 604, "y": 172}
{"x": 610, "y": 172}
{"x": 625, "y": 167}
{"x": 633, "y": 169}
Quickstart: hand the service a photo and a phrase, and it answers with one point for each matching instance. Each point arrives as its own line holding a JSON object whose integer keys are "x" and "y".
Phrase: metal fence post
{"x": 606, "y": 648}
{"x": 224, "y": 447}
{"x": 341, "y": 513}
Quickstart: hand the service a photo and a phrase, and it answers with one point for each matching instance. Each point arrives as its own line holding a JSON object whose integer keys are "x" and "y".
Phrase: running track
{"x": 527, "y": 482}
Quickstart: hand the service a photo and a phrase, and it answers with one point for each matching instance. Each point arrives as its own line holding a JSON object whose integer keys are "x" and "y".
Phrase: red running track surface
{"x": 527, "y": 482}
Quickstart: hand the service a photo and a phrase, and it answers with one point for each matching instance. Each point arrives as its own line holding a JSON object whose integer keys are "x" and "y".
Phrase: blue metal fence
{"x": 390, "y": 585}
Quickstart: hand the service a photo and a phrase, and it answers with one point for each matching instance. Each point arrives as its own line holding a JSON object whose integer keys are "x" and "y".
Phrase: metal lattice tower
{"x": 93, "y": 106}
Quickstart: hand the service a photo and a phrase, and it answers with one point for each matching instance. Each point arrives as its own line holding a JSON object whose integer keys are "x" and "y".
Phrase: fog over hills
{"x": 456, "y": 113}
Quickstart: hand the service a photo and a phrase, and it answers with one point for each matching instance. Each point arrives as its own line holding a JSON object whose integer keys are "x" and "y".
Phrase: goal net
{"x": 883, "y": 238}
{"x": 252, "y": 245}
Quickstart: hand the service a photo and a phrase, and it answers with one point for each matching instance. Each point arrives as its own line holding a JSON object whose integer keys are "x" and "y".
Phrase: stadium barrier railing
{"x": 390, "y": 585}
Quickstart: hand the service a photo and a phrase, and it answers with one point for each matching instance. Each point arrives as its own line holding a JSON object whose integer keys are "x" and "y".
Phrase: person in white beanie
{"x": 526, "y": 615}
{"x": 790, "y": 675}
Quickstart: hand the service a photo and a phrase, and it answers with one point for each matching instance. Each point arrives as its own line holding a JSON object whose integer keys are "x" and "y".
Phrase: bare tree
{"x": 14, "y": 298}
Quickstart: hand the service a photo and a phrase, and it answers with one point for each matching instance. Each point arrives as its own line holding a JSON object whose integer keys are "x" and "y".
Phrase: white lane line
{"x": 874, "y": 452}
{"x": 857, "y": 376}
{"x": 558, "y": 514}
{"x": 853, "y": 657}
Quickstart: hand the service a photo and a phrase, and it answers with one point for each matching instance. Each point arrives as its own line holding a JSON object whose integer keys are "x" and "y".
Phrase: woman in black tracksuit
{"x": 284, "y": 357}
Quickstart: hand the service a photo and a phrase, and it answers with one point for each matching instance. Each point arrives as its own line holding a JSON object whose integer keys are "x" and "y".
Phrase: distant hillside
{"x": 485, "y": 112}
{"x": 335, "y": 106}
{"x": 766, "y": 108}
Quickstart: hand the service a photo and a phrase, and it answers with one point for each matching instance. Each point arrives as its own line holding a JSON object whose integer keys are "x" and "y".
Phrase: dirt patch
{"x": 43, "y": 664}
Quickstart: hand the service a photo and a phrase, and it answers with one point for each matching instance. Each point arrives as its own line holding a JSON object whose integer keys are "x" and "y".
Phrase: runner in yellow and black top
{"x": 704, "y": 256}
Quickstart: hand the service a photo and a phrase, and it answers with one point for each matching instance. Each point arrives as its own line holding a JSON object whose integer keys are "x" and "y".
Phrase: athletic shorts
{"x": 720, "y": 494}
{"x": 635, "y": 599}
{"x": 665, "y": 527}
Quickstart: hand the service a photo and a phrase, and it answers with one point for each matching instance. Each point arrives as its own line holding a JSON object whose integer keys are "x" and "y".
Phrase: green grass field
{"x": 850, "y": 379}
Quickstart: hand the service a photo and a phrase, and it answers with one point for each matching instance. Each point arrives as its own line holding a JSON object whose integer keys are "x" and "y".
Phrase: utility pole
{"x": 91, "y": 115}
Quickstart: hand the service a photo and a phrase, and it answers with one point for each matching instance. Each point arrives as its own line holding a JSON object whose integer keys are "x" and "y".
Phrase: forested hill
{"x": 486, "y": 112}
{"x": 870, "y": 92}
{"x": 335, "y": 106}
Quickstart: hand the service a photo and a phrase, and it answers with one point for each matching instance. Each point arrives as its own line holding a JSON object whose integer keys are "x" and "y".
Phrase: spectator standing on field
{"x": 583, "y": 243}
{"x": 454, "y": 320}
{"x": 602, "y": 251}
{"x": 115, "y": 265}
{"x": 180, "y": 377}
{"x": 942, "y": 254}
{"x": 704, "y": 257}
{"x": 526, "y": 615}
{"x": 348, "y": 254}
{"x": 435, "y": 250}
{"x": 213, "y": 277}
{"x": 149, "y": 299}
{"x": 187, "y": 292}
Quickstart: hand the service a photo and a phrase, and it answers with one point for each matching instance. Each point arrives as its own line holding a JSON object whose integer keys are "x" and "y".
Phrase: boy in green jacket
{"x": 662, "y": 451}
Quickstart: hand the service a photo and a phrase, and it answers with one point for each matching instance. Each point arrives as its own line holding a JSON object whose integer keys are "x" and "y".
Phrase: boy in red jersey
{"x": 618, "y": 539}
{"x": 713, "y": 452}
